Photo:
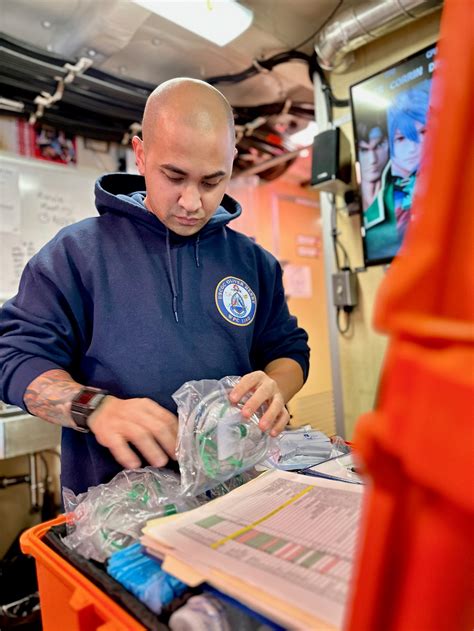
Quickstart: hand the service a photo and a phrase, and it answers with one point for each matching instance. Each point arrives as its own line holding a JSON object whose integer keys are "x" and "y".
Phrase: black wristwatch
{"x": 86, "y": 401}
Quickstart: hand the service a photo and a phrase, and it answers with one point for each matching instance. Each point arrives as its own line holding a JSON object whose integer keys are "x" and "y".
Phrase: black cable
{"x": 338, "y": 244}
{"x": 250, "y": 113}
{"x": 335, "y": 240}
{"x": 327, "y": 97}
{"x": 335, "y": 102}
{"x": 320, "y": 28}
{"x": 347, "y": 263}
{"x": 333, "y": 218}
{"x": 344, "y": 330}
{"x": 336, "y": 253}
{"x": 314, "y": 67}
{"x": 257, "y": 66}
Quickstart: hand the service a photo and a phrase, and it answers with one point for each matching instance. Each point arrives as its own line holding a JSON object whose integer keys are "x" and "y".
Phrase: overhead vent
{"x": 363, "y": 23}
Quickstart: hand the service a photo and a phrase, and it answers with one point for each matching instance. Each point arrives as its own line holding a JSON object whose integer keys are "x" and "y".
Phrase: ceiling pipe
{"x": 361, "y": 24}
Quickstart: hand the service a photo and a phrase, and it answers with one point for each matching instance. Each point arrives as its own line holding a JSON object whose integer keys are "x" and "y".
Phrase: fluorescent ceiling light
{"x": 219, "y": 21}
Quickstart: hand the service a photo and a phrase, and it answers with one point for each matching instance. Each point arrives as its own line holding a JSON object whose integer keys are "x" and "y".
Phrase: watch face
{"x": 85, "y": 397}
{"x": 84, "y": 403}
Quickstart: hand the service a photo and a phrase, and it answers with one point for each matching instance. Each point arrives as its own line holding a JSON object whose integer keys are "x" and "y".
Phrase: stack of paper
{"x": 283, "y": 544}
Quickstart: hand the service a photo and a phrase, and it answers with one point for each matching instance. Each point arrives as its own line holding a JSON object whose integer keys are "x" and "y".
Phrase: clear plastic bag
{"x": 216, "y": 445}
{"x": 339, "y": 447}
{"x": 225, "y": 487}
{"x": 303, "y": 447}
{"x": 207, "y": 612}
{"x": 215, "y": 442}
{"x": 109, "y": 517}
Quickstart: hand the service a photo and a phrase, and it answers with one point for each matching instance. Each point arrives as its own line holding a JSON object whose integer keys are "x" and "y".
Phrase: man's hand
{"x": 148, "y": 426}
{"x": 263, "y": 389}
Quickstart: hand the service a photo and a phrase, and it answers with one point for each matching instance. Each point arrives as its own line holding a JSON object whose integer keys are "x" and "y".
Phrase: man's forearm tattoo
{"x": 49, "y": 396}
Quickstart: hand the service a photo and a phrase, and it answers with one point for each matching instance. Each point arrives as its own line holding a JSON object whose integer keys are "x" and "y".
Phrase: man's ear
{"x": 139, "y": 151}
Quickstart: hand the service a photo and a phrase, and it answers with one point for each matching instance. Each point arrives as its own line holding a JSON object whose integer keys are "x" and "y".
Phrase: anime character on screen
{"x": 372, "y": 145}
{"x": 407, "y": 127}
{"x": 388, "y": 216}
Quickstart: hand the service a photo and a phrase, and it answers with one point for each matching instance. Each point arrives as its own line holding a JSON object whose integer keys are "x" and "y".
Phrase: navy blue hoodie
{"x": 123, "y": 304}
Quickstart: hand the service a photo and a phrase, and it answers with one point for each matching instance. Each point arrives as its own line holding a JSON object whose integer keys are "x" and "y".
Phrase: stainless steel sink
{"x": 22, "y": 434}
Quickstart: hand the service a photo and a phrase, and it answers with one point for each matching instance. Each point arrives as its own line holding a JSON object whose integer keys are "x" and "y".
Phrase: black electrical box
{"x": 331, "y": 165}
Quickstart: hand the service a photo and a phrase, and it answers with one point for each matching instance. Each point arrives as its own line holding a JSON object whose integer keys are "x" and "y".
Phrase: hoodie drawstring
{"x": 196, "y": 250}
{"x": 173, "y": 283}
{"x": 171, "y": 273}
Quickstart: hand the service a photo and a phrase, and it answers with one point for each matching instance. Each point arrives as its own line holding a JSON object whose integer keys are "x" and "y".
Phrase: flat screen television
{"x": 389, "y": 113}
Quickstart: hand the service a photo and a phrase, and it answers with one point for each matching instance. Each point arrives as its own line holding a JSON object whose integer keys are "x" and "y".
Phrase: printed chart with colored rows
{"x": 313, "y": 557}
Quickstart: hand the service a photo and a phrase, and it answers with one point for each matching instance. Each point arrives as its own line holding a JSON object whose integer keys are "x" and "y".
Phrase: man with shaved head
{"x": 118, "y": 311}
{"x": 188, "y": 134}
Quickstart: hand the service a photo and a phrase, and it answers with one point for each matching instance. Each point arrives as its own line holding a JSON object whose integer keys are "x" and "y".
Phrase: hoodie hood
{"x": 123, "y": 194}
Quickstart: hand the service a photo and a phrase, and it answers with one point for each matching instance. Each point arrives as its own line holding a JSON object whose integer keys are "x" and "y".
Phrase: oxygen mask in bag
{"x": 215, "y": 441}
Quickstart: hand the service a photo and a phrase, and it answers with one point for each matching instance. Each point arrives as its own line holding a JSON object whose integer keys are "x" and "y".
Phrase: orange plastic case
{"x": 69, "y": 601}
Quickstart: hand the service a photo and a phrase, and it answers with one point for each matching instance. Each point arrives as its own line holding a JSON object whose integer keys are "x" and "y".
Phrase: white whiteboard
{"x": 37, "y": 199}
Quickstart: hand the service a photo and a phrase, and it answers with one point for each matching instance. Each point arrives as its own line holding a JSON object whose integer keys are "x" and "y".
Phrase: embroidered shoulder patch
{"x": 235, "y": 301}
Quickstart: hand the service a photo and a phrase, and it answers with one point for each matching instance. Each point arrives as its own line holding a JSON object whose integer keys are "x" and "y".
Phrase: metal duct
{"x": 104, "y": 27}
{"x": 359, "y": 25}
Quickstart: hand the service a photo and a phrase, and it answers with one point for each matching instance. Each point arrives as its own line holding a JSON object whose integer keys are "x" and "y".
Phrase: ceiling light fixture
{"x": 219, "y": 21}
